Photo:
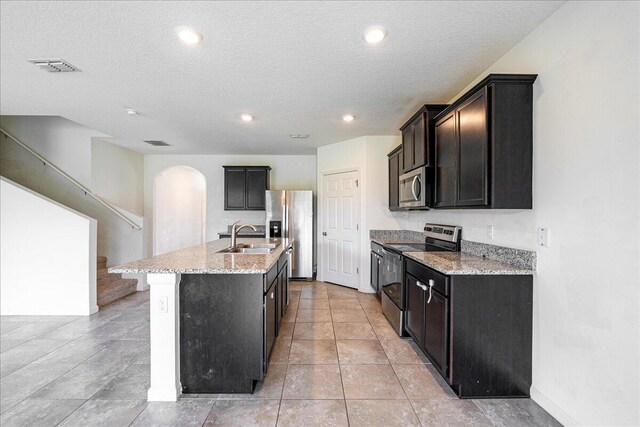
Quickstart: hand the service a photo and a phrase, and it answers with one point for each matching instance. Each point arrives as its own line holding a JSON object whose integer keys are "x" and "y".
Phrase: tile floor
{"x": 336, "y": 362}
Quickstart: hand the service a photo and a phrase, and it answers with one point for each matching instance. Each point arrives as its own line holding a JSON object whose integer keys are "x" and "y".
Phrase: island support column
{"x": 165, "y": 337}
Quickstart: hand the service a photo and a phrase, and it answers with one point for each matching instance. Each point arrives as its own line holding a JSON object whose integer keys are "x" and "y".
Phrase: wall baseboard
{"x": 558, "y": 413}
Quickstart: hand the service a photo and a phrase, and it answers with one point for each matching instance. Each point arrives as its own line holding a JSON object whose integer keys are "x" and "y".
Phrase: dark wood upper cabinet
{"x": 484, "y": 146}
{"x": 445, "y": 160}
{"x": 395, "y": 166}
{"x": 245, "y": 186}
{"x": 418, "y": 136}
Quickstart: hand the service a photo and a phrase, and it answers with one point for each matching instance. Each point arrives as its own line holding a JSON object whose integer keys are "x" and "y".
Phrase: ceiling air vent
{"x": 54, "y": 65}
{"x": 157, "y": 143}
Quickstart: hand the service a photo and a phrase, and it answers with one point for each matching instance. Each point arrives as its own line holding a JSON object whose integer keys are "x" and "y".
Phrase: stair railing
{"x": 86, "y": 190}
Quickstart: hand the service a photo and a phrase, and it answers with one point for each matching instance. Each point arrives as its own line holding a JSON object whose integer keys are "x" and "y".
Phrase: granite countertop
{"x": 461, "y": 263}
{"x": 205, "y": 259}
{"x": 243, "y": 233}
{"x": 390, "y": 240}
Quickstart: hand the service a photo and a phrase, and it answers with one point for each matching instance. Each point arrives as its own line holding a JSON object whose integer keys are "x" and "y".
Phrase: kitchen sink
{"x": 252, "y": 248}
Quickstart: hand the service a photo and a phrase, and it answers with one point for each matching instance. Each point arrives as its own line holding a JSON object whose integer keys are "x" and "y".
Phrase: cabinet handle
{"x": 271, "y": 295}
{"x": 421, "y": 286}
{"x": 431, "y": 283}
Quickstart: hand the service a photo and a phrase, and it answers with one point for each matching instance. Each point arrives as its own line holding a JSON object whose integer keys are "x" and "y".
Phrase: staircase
{"x": 112, "y": 286}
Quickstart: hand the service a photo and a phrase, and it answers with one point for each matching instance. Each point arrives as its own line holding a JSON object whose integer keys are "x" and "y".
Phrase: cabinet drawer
{"x": 377, "y": 249}
{"x": 424, "y": 274}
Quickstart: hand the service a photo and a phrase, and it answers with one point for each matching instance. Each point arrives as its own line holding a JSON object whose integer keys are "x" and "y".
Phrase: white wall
{"x": 48, "y": 256}
{"x": 65, "y": 143}
{"x": 586, "y": 191}
{"x": 288, "y": 173}
{"x": 368, "y": 155}
{"x": 117, "y": 175}
{"x": 68, "y": 145}
{"x": 179, "y": 209}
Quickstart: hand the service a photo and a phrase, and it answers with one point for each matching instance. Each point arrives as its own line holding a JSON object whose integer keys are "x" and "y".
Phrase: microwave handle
{"x": 413, "y": 187}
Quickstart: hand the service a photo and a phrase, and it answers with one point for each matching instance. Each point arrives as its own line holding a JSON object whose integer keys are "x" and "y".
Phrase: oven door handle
{"x": 413, "y": 187}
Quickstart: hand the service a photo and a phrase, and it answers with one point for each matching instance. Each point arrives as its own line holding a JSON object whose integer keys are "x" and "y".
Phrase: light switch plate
{"x": 543, "y": 237}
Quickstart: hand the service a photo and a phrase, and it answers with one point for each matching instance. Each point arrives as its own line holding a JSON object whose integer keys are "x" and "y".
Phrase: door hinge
{"x": 357, "y": 226}
{"x": 357, "y": 270}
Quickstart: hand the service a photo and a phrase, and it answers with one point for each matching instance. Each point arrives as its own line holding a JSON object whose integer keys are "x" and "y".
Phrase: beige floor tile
{"x": 361, "y": 352}
{"x": 341, "y": 294}
{"x": 313, "y": 382}
{"x": 254, "y": 412}
{"x": 348, "y": 316}
{"x": 384, "y": 331}
{"x": 270, "y": 388}
{"x": 313, "y": 304}
{"x": 313, "y": 293}
{"x": 319, "y": 316}
{"x": 290, "y": 316}
{"x": 400, "y": 351}
{"x": 312, "y": 413}
{"x": 449, "y": 412}
{"x": 345, "y": 304}
{"x": 375, "y": 316}
{"x": 321, "y": 352}
{"x": 388, "y": 413}
{"x": 286, "y": 330}
{"x": 419, "y": 383}
{"x": 354, "y": 331}
{"x": 280, "y": 352}
{"x": 370, "y": 382}
{"x": 296, "y": 286}
{"x": 313, "y": 331}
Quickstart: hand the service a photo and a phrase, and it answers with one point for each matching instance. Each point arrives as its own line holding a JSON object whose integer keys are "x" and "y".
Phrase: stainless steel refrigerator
{"x": 290, "y": 215}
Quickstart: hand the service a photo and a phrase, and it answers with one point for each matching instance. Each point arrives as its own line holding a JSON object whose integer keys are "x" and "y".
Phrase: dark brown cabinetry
{"x": 395, "y": 166}
{"x": 376, "y": 258}
{"x": 245, "y": 186}
{"x": 484, "y": 146}
{"x": 417, "y": 138}
{"x": 476, "y": 330}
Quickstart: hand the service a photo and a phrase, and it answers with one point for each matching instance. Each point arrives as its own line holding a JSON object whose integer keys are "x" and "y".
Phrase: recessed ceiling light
{"x": 132, "y": 112}
{"x": 348, "y": 117}
{"x": 189, "y": 35}
{"x": 299, "y": 136}
{"x": 374, "y": 35}
{"x": 246, "y": 117}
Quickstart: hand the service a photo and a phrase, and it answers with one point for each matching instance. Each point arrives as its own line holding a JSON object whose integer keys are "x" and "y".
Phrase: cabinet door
{"x": 436, "y": 331}
{"x": 375, "y": 261}
{"x": 283, "y": 282}
{"x": 419, "y": 141}
{"x": 234, "y": 189}
{"x": 446, "y": 162}
{"x": 407, "y": 148}
{"x": 270, "y": 318}
{"x": 473, "y": 145}
{"x": 414, "y": 311}
{"x": 256, "y": 187}
{"x": 394, "y": 173}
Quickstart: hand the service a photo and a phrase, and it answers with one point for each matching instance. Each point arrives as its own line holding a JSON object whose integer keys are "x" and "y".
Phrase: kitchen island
{"x": 215, "y": 314}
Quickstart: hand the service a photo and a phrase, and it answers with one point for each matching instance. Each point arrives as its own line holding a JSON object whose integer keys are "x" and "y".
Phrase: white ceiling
{"x": 296, "y": 66}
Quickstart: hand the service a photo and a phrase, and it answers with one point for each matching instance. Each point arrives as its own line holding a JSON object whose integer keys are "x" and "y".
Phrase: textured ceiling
{"x": 296, "y": 66}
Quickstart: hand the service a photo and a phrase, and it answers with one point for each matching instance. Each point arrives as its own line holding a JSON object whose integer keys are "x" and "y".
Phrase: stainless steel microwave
{"x": 415, "y": 189}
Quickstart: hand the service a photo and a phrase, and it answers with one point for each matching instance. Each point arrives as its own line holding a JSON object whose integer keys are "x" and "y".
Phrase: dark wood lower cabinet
{"x": 476, "y": 330}
{"x": 228, "y": 326}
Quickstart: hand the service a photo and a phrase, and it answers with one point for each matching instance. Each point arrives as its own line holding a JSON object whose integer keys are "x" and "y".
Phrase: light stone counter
{"x": 206, "y": 259}
{"x": 460, "y": 263}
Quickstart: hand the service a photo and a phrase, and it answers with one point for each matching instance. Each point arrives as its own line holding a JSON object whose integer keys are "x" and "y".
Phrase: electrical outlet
{"x": 543, "y": 237}
{"x": 163, "y": 305}
{"x": 490, "y": 232}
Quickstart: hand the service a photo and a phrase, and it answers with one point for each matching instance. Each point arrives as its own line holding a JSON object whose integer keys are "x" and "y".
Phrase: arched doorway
{"x": 179, "y": 209}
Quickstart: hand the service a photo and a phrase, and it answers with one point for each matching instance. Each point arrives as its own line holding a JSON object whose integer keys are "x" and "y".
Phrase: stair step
{"x": 109, "y": 278}
{"x": 114, "y": 290}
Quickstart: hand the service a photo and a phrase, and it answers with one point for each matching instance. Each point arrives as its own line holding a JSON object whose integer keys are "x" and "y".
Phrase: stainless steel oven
{"x": 414, "y": 189}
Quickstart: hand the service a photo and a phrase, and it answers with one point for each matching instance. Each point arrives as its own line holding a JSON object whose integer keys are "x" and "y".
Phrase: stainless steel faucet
{"x": 234, "y": 232}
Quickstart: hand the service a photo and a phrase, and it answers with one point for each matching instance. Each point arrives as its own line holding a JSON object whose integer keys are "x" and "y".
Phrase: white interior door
{"x": 340, "y": 233}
